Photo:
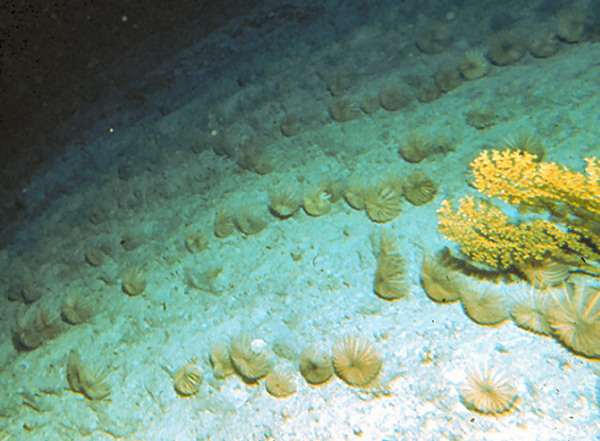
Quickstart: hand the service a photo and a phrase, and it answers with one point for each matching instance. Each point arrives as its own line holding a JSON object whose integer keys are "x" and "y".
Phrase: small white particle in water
{"x": 258, "y": 345}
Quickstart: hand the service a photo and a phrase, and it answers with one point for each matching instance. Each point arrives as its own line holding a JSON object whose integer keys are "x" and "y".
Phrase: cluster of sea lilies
{"x": 551, "y": 303}
{"x": 556, "y": 262}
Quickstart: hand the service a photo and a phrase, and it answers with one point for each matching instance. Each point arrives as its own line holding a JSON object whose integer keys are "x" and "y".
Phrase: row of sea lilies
{"x": 381, "y": 200}
{"x": 550, "y": 304}
{"x": 353, "y": 359}
{"x": 554, "y": 303}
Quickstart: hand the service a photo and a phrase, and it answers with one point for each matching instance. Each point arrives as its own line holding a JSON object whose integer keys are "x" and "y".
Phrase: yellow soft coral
{"x": 516, "y": 178}
{"x": 488, "y": 236}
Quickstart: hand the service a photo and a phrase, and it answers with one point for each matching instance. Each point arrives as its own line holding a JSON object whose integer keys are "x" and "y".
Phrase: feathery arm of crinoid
{"x": 488, "y": 236}
{"x": 572, "y": 198}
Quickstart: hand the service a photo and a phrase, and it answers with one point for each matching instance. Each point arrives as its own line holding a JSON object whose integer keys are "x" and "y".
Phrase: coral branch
{"x": 515, "y": 177}
{"x": 488, "y": 236}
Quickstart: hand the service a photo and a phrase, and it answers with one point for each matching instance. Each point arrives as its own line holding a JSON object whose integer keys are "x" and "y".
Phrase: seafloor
{"x": 137, "y": 204}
